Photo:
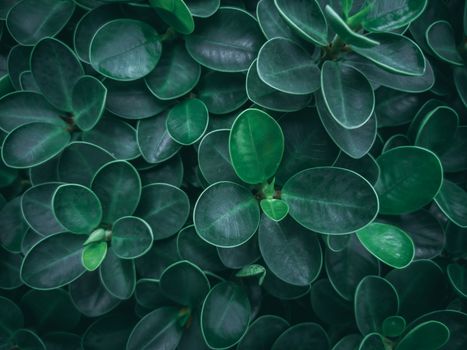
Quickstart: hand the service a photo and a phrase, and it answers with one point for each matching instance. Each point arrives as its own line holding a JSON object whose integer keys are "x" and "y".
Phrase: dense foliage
{"x": 251, "y": 175}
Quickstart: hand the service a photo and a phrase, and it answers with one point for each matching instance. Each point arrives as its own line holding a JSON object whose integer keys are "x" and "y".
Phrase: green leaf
{"x": 410, "y": 177}
{"x": 107, "y": 332}
{"x": 287, "y": 67}
{"x": 219, "y": 207}
{"x": 345, "y": 32}
{"x": 214, "y": 158}
{"x": 349, "y": 342}
{"x": 328, "y": 305}
{"x": 93, "y": 255}
{"x": 254, "y": 158}
{"x": 228, "y": 41}
{"x": 372, "y": 341}
{"x": 154, "y": 141}
{"x": 118, "y": 275}
{"x": 330, "y": 200}
{"x": 164, "y": 207}
{"x": 55, "y": 69}
{"x": 395, "y": 53}
{"x": 175, "y": 13}
{"x": 203, "y": 8}
{"x": 347, "y": 267}
{"x": 460, "y": 76}
{"x": 388, "y": 243}
{"x": 430, "y": 335}
{"x": 24, "y": 107}
{"x": 132, "y": 99}
{"x": 131, "y": 237}
{"x": 375, "y": 300}
{"x": 387, "y": 16}
{"x": 302, "y": 336}
{"x": 265, "y": 96}
{"x": 158, "y": 329}
{"x": 219, "y": 331}
{"x": 10, "y": 264}
{"x": 88, "y": 102}
{"x": 240, "y": 256}
{"x": 118, "y": 187}
{"x": 282, "y": 290}
{"x": 53, "y": 262}
{"x": 79, "y": 162}
{"x": 184, "y": 283}
{"x": 290, "y": 251}
{"x": 77, "y": 208}
{"x": 354, "y": 142}
{"x": 17, "y": 63}
{"x": 271, "y": 22}
{"x": 395, "y": 108}
{"x": 33, "y": 144}
{"x": 275, "y": 209}
{"x": 187, "y": 121}
{"x": 44, "y": 18}
{"x": 365, "y": 166}
{"x": 11, "y": 317}
{"x": 12, "y": 225}
{"x": 263, "y": 332}
{"x": 457, "y": 276}
{"x": 175, "y": 75}
{"x": 441, "y": 39}
{"x": 169, "y": 172}
{"x": 451, "y": 199}
{"x": 306, "y": 18}
{"x": 437, "y": 129}
{"x": 219, "y": 97}
{"x": 393, "y": 326}
{"x": 28, "y": 340}
{"x": 36, "y": 207}
{"x": 117, "y": 43}
{"x": 148, "y": 294}
{"x": 347, "y": 94}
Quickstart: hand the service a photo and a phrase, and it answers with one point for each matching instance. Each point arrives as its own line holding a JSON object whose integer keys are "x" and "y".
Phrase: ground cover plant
{"x": 251, "y": 175}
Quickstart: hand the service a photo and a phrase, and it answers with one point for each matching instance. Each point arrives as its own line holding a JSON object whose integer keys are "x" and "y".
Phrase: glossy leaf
{"x": 164, "y": 207}
{"x": 12, "y": 225}
{"x": 263, "y": 332}
{"x": 451, "y": 199}
{"x": 290, "y": 251}
{"x": 338, "y": 201}
{"x": 176, "y": 14}
{"x": 53, "y": 262}
{"x": 118, "y": 276}
{"x": 118, "y": 187}
{"x": 116, "y": 44}
{"x": 221, "y": 205}
{"x": 393, "y": 326}
{"x": 441, "y": 40}
{"x": 410, "y": 178}
{"x": 93, "y": 255}
{"x": 272, "y": 24}
{"x": 347, "y": 94}
{"x": 187, "y": 121}
{"x": 55, "y": 69}
{"x": 253, "y": 157}
{"x": 306, "y": 18}
{"x": 302, "y": 336}
{"x": 33, "y": 144}
{"x": 395, "y": 53}
{"x": 77, "y": 208}
{"x": 228, "y": 41}
{"x": 184, "y": 283}
{"x": 429, "y": 335}
{"x": 225, "y": 299}
{"x": 287, "y": 67}
{"x": 275, "y": 209}
{"x": 388, "y": 243}
{"x": 131, "y": 237}
{"x": 88, "y": 102}
{"x": 375, "y": 300}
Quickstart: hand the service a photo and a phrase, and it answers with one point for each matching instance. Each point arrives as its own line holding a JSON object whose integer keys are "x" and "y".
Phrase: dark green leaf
{"x": 108, "y": 332}
{"x": 88, "y": 102}
{"x": 430, "y": 335}
{"x": 262, "y": 333}
{"x": 457, "y": 276}
{"x": 271, "y": 22}
{"x": 131, "y": 237}
{"x": 175, "y": 13}
{"x": 302, "y": 336}
{"x": 10, "y": 264}
{"x": 441, "y": 40}
{"x": 202, "y": 8}
{"x": 451, "y": 199}
{"x": 187, "y": 121}
{"x": 11, "y": 317}
{"x": 393, "y": 326}
{"x": 118, "y": 275}
{"x": 328, "y": 305}
{"x": 12, "y": 225}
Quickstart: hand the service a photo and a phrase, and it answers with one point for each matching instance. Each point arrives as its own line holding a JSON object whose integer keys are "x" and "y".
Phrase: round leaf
{"x": 176, "y": 14}
{"x": 226, "y": 214}
{"x": 275, "y": 209}
{"x": 409, "y": 179}
{"x": 118, "y": 276}
{"x": 430, "y": 335}
{"x": 228, "y": 41}
{"x": 93, "y": 255}
{"x": 290, "y": 251}
{"x": 125, "y": 49}
{"x": 77, "y": 208}
{"x": 53, "y": 262}
{"x": 388, "y": 243}
{"x": 441, "y": 39}
{"x": 330, "y": 200}
{"x": 33, "y": 144}
{"x": 262, "y": 333}
{"x": 184, "y": 283}
{"x": 302, "y": 336}
{"x": 187, "y": 121}
{"x": 287, "y": 67}
{"x": 457, "y": 277}
{"x": 451, "y": 199}
{"x": 131, "y": 237}
{"x": 256, "y": 145}
{"x": 225, "y": 299}
{"x": 347, "y": 94}
{"x": 393, "y": 326}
